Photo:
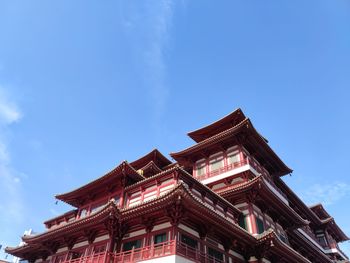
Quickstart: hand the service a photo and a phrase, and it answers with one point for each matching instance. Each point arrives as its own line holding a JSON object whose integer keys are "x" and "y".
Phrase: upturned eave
{"x": 155, "y": 156}
{"x": 259, "y": 185}
{"x": 329, "y": 222}
{"x": 228, "y": 121}
{"x": 270, "y": 241}
{"x": 124, "y": 169}
{"x": 250, "y": 136}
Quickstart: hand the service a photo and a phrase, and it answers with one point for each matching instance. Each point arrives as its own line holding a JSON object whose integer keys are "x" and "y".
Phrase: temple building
{"x": 222, "y": 200}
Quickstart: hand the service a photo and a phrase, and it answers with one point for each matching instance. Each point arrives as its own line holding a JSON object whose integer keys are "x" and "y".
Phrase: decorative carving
{"x": 110, "y": 188}
{"x": 116, "y": 229}
{"x": 70, "y": 241}
{"x": 90, "y": 235}
{"x": 176, "y": 212}
{"x": 204, "y": 230}
{"x": 123, "y": 180}
{"x": 148, "y": 223}
{"x": 252, "y": 195}
{"x": 51, "y": 246}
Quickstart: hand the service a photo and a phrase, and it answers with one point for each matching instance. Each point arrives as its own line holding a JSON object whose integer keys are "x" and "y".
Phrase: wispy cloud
{"x": 148, "y": 28}
{"x": 9, "y": 181}
{"x": 9, "y": 112}
{"x": 327, "y": 194}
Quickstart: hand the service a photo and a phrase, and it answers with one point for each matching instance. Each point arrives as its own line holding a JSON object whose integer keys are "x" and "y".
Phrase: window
{"x": 259, "y": 225}
{"x": 216, "y": 163}
{"x": 200, "y": 169}
{"x": 233, "y": 158}
{"x": 83, "y": 213}
{"x": 132, "y": 245}
{"x": 242, "y": 222}
{"x": 189, "y": 241}
{"x": 215, "y": 254}
{"x": 160, "y": 238}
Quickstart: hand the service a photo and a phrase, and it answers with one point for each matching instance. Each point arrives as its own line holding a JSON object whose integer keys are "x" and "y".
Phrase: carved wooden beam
{"x": 203, "y": 230}
{"x": 176, "y": 212}
{"x": 228, "y": 243}
{"x": 70, "y": 241}
{"x": 252, "y": 195}
{"x": 148, "y": 222}
{"x": 115, "y": 228}
{"x": 51, "y": 246}
{"x": 90, "y": 235}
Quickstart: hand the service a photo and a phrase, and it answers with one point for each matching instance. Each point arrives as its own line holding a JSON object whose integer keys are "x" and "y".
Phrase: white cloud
{"x": 149, "y": 29}
{"x": 327, "y": 194}
{"x": 9, "y": 182}
{"x": 9, "y": 112}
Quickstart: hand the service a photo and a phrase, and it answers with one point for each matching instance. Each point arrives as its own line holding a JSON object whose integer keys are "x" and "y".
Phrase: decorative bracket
{"x": 148, "y": 223}
{"x": 90, "y": 234}
{"x": 176, "y": 212}
{"x": 51, "y": 246}
{"x": 70, "y": 241}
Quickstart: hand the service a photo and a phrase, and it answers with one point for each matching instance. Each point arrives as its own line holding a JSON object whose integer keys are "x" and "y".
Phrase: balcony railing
{"x": 147, "y": 252}
{"x": 161, "y": 250}
{"x": 223, "y": 169}
{"x": 194, "y": 254}
{"x": 236, "y": 165}
{"x": 93, "y": 258}
{"x": 164, "y": 249}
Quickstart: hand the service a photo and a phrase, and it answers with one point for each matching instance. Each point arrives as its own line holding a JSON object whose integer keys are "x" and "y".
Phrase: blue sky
{"x": 87, "y": 84}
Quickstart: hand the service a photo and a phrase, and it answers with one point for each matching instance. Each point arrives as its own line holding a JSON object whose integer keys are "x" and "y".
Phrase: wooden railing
{"x": 93, "y": 258}
{"x": 144, "y": 253}
{"x": 195, "y": 254}
{"x": 236, "y": 165}
{"x": 223, "y": 169}
{"x": 161, "y": 250}
{"x": 164, "y": 249}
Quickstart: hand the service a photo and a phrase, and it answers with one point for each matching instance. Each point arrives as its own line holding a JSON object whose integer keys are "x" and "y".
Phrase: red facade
{"x": 223, "y": 200}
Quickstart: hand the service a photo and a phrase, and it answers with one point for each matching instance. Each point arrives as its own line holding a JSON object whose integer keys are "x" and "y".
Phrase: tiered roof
{"x": 267, "y": 198}
{"x": 329, "y": 223}
{"x": 154, "y": 156}
{"x": 124, "y": 173}
{"x": 218, "y": 126}
{"x": 233, "y": 128}
{"x": 317, "y": 215}
{"x": 151, "y": 163}
{"x": 155, "y": 167}
{"x": 299, "y": 240}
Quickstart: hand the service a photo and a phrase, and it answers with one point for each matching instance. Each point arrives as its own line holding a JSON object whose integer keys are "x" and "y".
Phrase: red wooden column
{"x": 252, "y": 218}
{"x": 149, "y": 224}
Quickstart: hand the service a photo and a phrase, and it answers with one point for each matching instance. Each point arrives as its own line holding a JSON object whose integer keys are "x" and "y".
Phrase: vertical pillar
{"x": 241, "y": 156}
{"x": 253, "y": 225}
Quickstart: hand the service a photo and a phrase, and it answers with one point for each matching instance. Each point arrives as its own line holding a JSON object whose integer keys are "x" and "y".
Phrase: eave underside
{"x": 257, "y": 191}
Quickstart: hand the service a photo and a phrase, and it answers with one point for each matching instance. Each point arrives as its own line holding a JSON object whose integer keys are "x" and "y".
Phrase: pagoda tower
{"x": 223, "y": 200}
